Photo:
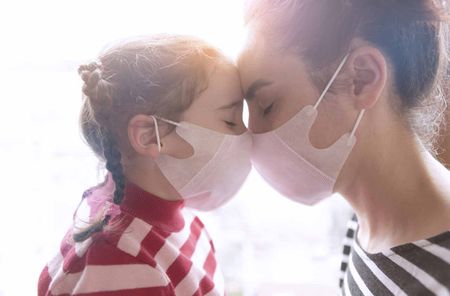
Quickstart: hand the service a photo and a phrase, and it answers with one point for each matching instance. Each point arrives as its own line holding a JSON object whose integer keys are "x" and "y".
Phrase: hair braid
{"x": 99, "y": 101}
{"x": 96, "y": 227}
{"x": 114, "y": 166}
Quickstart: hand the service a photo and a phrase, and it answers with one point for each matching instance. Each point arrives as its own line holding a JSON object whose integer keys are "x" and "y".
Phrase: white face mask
{"x": 214, "y": 173}
{"x": 288, "y": 161}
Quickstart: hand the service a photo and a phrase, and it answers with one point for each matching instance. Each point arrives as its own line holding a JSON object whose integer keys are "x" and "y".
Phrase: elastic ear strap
{"x": 167, "y": 120}
{"x": 158, "y": 140}
{"x": 358, "y": 121}
{"x": 333, "y": 78}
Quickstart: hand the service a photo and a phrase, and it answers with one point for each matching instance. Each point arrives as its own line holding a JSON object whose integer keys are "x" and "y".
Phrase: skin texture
{"x": 389, "y": 175}
{"x": 218, "y": 108}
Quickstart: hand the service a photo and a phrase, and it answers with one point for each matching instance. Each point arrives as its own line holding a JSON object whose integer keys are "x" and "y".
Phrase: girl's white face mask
{"x": 214, "y": 173}
{"x": 288, "y": 161}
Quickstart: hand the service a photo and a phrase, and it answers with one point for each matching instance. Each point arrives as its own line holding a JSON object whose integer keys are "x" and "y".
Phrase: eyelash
{"x": 229, "y": 123}
{"x": 267, "y": 110}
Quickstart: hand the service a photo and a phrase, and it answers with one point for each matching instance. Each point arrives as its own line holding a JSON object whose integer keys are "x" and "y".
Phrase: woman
{"x": 345, "y": 96}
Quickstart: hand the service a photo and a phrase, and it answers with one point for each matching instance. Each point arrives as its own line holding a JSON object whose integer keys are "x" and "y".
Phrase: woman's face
{"x": 277, "y": 85}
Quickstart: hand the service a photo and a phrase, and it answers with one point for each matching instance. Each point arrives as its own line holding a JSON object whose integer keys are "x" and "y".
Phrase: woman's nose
{"x": 255, "y": 123}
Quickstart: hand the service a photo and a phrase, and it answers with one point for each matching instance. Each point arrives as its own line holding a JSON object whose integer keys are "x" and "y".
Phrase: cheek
{"x": 287, "y": 107}
{"x": 281, "y": 111}
{"x": 330, "y": 125}
{"x": 321, "y": 132}
{"x": 175, "y": 146}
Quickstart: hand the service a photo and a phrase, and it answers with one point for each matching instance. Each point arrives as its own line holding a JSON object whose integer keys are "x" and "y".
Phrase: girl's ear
{"x": 142, "y": 136}
{"x": 368, "y": 70}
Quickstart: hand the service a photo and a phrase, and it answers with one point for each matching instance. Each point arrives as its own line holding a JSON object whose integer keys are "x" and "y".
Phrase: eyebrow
{"x": 254, "y": 87}
{"x": 231, "y": 105}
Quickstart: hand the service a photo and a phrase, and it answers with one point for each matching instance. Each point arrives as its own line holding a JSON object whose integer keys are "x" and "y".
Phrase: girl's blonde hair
{"x": 159, "y": 74}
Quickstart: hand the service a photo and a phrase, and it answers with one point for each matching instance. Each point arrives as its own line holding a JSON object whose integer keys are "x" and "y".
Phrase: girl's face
{"x": 220, "y": 106}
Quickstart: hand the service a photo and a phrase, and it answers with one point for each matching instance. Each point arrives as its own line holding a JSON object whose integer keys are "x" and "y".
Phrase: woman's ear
{"x": 368, "y": 70}
{"x": 142, "y": 135}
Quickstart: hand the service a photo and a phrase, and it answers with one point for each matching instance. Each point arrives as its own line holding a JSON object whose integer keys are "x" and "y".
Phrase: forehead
{"x": 253, "y": 49}
{"x": 261, "y": 60}
{"x": 223, "y": 86}
{"x": 254, "y": 62}
{"x": 224, "y": 81}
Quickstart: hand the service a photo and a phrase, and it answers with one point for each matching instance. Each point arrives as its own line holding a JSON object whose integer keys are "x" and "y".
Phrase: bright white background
{"x": 267, "y": 245}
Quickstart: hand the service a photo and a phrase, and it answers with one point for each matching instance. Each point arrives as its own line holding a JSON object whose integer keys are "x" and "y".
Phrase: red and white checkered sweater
{"x": 154, "y": 247}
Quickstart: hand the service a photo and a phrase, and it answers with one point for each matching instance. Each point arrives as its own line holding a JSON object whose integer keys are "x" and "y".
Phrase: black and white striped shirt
{"x": 419, "y": 268}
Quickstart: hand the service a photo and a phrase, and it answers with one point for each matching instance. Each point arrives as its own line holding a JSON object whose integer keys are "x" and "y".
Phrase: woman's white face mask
{"x": 288, "y": 161}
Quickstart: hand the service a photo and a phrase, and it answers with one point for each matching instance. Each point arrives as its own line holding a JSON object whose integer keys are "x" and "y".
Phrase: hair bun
{"x": 92, "y": 66}
{"x": 91, "y": 74}
{"x": 96, "y": 90}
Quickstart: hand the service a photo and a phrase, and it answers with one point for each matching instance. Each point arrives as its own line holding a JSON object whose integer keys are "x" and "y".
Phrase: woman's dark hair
{"x": 412, "y": 34}
{"x": 160, "y": 74}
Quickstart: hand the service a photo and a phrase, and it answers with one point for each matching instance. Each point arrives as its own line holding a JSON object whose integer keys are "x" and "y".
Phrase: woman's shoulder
{"x": 414, "y": 268}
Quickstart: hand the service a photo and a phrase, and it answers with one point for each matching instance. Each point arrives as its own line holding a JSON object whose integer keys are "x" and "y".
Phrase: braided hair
{"x": 95, "y": 89}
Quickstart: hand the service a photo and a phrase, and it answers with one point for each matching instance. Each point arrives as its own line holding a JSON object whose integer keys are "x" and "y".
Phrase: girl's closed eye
{"x": 233, "y": 114}
{"x": 234, "y": 119}
{"x": 230, "y": 123}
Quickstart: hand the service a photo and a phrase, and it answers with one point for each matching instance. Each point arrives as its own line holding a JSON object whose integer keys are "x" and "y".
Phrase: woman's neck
{"x": 399, "y": 194}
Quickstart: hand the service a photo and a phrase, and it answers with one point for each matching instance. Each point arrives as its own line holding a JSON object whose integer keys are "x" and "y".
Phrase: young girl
{"x": 165, "y": 115}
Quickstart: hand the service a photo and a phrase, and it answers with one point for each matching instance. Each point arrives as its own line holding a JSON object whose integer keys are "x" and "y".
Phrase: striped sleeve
{"x": 103, "y": 270}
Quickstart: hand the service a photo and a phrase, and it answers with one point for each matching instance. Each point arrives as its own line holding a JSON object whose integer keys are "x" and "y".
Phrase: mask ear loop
{"x": 325, "y": 91}
{"x": 333, "y": 78}
{"x": 167, "y": 120}
{"x": 158, "y": 139}
{"x": 358, "y": 121}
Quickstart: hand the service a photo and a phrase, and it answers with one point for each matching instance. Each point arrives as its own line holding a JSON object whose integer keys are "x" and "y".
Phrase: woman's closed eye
{"x": 267, "y": 110}
{"x": 266, "y": 104}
